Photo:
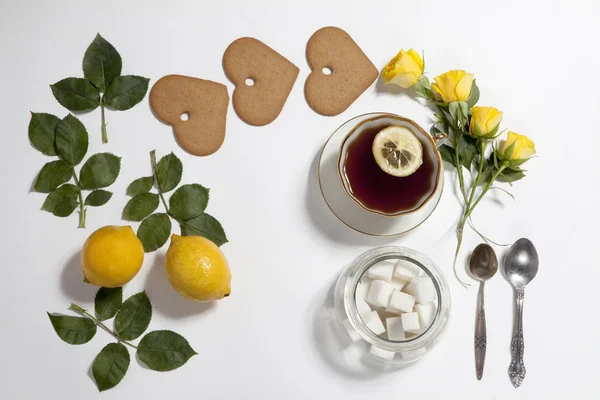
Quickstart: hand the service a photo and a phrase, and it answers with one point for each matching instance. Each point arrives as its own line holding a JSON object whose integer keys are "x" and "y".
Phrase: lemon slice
{"x": 397, "y": 151}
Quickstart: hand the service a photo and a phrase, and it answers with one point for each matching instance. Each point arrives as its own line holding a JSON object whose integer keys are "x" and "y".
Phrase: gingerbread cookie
{"x": 196, "y": 108}
{"x": 341, "y": 72}
{"x": 262, "y": 77}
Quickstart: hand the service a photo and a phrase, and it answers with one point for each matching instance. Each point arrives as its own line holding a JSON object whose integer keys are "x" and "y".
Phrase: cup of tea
{"x": 414, "y": 196}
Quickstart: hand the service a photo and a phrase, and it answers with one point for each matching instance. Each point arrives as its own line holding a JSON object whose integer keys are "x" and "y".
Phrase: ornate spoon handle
{"x": 516, "y": 371}
{"x": 480, "y": 334}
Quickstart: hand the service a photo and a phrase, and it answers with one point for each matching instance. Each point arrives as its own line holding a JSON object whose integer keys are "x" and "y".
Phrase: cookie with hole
{"x": 340, "y": 71}
{"x": 196, "y": 108}
{"x": 263, "y": 80}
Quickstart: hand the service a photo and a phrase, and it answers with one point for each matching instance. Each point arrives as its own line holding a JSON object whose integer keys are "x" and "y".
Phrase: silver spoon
{"x": 483, "y": 265}
{"x": 520, "y": 267}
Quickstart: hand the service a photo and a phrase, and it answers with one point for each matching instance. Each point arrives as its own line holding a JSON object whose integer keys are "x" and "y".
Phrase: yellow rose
{"x": 404, "y": 69}
{"x": 452, "y": 86}
{"x": 487, "y": 120}
{"x": 516, "y": 147}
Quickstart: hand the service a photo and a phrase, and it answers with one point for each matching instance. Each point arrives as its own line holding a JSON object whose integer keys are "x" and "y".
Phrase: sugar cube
{"x": 354, "y": 335}
{"x": 374, "y": 323}
{"x": 363, "y": 288}
{"x": 406, "y": 270}
{"x": 400, "y": 302}
{"x": 379, "y": 294}
{"x": 382, "y": 271}
{"x": 426, "y": 314}
{"x": 408, "y": 290}
{"x": 395, "y": 330}
{"x": 410, "y": 322}
{"x": 363, "y": 307}
{"x": 423, "y": 289}
{"x": 381, "y": 353}
{"x": 398, "y": 284}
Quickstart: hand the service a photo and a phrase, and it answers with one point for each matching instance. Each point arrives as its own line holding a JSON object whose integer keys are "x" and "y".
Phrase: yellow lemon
{"x": 111, "y": 256}
{"x": 197, "y": 268}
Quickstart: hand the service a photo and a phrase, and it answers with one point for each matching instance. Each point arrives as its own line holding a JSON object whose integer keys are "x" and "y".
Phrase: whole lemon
{"x": 111, "y": 256}
{"x": 197, "y": 268}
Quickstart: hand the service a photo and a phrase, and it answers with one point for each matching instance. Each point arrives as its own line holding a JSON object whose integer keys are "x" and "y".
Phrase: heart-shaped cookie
{"x": 341, "y": 71}
{"x": 262, "y": 77}
{"x": 196, "y": 108}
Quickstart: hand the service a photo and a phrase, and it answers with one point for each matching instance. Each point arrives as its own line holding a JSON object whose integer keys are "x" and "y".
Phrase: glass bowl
{"x": 370, "y": 345}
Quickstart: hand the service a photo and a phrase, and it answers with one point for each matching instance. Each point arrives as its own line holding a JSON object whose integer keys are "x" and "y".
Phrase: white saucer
{"x": 345, "y": 208}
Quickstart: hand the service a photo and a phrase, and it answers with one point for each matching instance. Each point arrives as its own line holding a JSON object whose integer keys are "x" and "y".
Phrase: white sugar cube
{"x": 395, "y": 330}
{"x": 410, "y": 322}
{"x": 400, "y": 303}
{"x": 381, "y": 353}
{"x": 423, "y": 289}
{"x": 406, "y": 270}
{"x": 363, "y": 288}
{"x": 426, "y": 314}
{"x": 374, "y": 323}
{"x": 382, "y": 271}
{"x": 398, "y": 284}
{"x": 354, "y": 335}
{"x": 379, "y": 294}
{"x": 363, "y": 307}
{"x": 408, "y": 290}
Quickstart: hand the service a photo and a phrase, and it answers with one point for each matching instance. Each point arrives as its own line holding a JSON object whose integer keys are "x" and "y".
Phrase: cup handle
{"x": 438, "y": 139}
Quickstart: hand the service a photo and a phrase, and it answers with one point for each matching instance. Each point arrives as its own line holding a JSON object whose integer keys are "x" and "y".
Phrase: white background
{"x": 536, "y": 61}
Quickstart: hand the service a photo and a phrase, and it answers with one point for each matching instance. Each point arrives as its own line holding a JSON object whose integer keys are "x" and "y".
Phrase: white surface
{"x": 536, "y": 61}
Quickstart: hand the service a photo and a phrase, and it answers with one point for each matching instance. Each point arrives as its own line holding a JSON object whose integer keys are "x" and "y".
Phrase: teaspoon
{"x": 483, "y": 266}
{"x": 520, "y": 267}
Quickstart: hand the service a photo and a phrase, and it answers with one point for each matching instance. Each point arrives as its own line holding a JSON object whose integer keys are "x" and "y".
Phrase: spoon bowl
{"x": 483, "y": 263}
{"x": 521, "y": 263}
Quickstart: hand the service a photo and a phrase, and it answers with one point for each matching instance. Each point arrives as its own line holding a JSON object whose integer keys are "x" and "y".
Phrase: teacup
{"x": 423, "y": 204}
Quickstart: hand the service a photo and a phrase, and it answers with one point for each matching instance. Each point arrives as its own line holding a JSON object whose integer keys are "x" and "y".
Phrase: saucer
{"x": 347, "y": 210}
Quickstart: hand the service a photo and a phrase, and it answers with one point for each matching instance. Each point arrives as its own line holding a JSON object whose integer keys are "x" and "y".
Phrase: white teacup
{"x": 427, "y": 204}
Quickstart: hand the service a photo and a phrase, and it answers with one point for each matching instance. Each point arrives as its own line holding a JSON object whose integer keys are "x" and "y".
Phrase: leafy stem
{"x": 481, "y": 144}
{"x": 103, "y": 120}
{"x": 81, "y": 311}
{"x": 155, "y": 175}
{"x": 461, "y": 179}
{"x": 467, "y": 213}
{"x": 81, "y": 204}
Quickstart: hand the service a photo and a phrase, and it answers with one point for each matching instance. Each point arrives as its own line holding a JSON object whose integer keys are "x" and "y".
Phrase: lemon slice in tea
{"x": 397, "y": 151}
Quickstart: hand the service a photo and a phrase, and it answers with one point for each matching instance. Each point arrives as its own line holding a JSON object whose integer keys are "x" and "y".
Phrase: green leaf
{"x": 71, "y": 140}
{"x": 164, "y": 350}
{"x": 41, "y": 132}
{"x": 125, "y": 92}
{"x": 140, "y": 206}
{"x": 99, "y": 171}
{"x": 110, "y": 365}
{"x": 188, "y": 201}
{"x": 134, "y": 316}
{"x": 169, "y": 172}
{"x": 108, "y": 302}
{"x": 62, "y": 201}
{"x": 141, "y": 185}
{"x": 101, "y": 63}
{"x": 73, "y": 330}
{"x": 447, "y": 154}
{"x": 52, "y": 175}
{"x": 98, "y": 198}
{"x": 466, "y": 158}
{"x": 206, "y": 226}
{"x": 474, "y": 96}
{"x": 509, "y": 175}
{"x": 154, "y": 231}
{"x": 76, "y": 94}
